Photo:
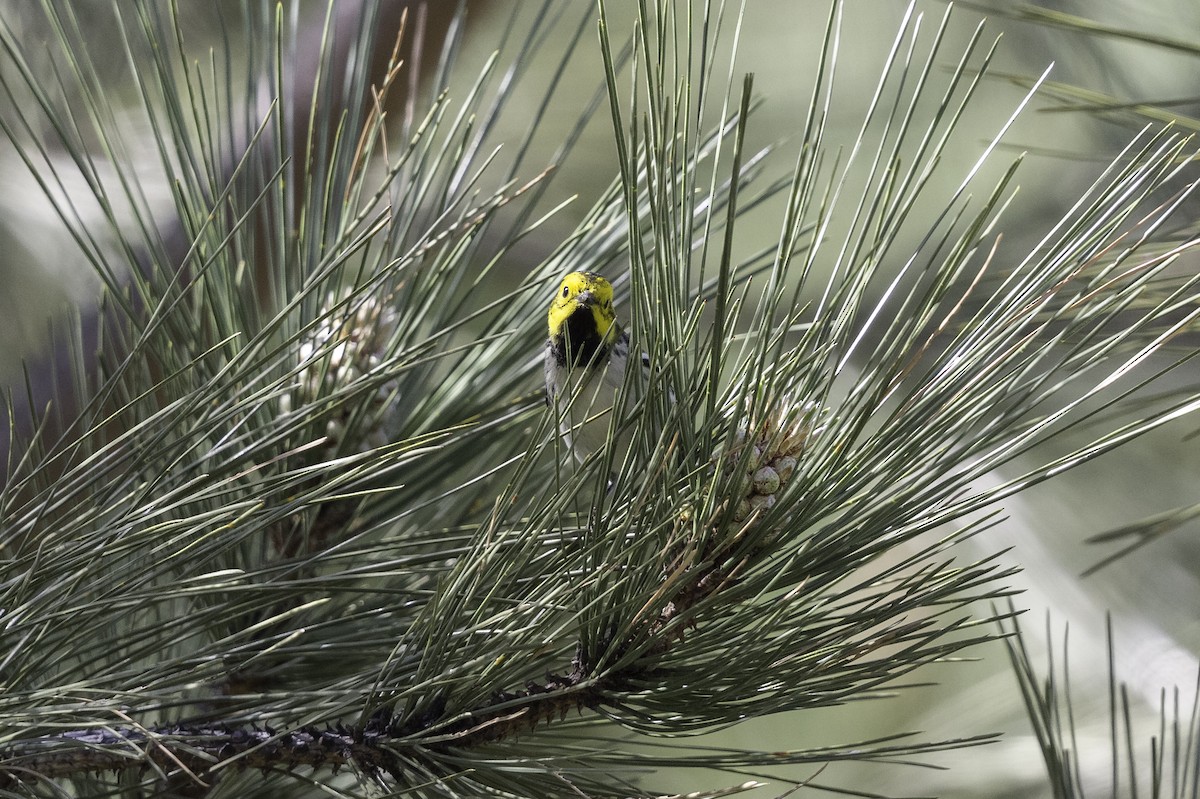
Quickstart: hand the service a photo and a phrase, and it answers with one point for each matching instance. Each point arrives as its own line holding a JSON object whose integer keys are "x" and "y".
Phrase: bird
{"x": 586, "y": 354}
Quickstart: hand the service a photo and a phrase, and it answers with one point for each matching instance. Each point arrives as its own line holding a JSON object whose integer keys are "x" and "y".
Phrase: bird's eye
{"x": 566, "y": 292}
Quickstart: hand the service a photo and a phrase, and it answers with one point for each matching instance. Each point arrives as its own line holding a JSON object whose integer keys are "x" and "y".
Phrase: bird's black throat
{"x": 580, "y": 343}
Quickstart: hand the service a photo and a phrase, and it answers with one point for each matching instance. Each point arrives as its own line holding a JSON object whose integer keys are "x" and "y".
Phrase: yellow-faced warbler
{"x": 586, "y": 353}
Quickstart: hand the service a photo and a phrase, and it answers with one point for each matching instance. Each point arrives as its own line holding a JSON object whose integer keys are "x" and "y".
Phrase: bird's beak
{"x": 585, "y": 298}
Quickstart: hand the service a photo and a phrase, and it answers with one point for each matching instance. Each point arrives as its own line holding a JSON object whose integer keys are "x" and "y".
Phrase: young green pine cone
{"x": 777, "y": 442}
{"x": 347, "y": 345}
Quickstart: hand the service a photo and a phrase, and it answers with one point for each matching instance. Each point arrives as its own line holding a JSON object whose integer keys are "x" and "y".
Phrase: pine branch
{"x": 329, "y": 497}
{"x": 697, "y": 574}
{"x": 198, "y": 750}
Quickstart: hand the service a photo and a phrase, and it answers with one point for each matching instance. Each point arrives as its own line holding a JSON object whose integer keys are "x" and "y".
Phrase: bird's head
{"x": 584, "y": 300}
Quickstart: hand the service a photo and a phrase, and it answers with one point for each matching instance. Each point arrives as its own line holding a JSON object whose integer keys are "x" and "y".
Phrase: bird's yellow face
{"x": 583, "y": 297}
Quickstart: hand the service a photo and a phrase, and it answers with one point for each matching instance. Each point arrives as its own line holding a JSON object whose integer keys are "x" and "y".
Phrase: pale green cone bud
{"x": 778, "y": 442}
{"x": 347, "y": 345}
